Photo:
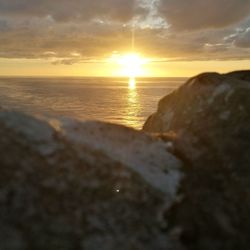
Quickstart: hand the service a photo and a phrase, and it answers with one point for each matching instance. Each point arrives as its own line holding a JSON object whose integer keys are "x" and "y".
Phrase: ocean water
{"x": 105, "y": 99}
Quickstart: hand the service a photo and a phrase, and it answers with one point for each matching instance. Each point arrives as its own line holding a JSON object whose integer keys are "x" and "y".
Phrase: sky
{"x": 82, "y": 37}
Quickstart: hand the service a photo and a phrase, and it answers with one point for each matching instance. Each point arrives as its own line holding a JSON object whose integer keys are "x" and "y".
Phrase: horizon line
{"x": 76, "y": 76}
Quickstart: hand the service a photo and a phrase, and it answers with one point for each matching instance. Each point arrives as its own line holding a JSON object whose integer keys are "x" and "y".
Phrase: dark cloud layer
{"x": 3, "y": 26}
{"x": 71, "y": 31}
{"x": 70, "y": 10}
{"x": 198, "y": 14}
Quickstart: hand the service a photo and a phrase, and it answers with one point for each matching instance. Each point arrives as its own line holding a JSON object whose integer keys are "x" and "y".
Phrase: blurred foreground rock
{"x": 208, "y": 122}
{"x": 91, "y": 186}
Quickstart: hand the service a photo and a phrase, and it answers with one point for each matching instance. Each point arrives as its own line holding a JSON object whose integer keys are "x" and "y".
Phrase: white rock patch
{"x": 138, "y": 151}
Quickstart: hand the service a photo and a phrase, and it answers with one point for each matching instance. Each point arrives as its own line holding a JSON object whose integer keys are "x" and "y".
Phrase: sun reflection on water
{"x": 133, "y": 105}
{"x": 132, "y": 83}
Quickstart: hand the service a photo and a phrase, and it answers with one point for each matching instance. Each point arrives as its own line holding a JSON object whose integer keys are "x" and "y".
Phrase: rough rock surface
{"x": 72, "y": 185}
{"x": 208, "y": 121}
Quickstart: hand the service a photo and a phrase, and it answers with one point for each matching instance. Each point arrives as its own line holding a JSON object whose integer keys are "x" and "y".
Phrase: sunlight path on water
{"x": 133, "y": 104}
{"x": 132, "y": 83}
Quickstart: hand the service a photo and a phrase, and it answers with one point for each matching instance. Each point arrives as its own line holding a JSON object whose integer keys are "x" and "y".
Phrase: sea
{"x": 88, "y": 98}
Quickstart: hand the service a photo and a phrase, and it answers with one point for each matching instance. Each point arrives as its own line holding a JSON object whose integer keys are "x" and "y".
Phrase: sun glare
{"x": 131, "y": 65}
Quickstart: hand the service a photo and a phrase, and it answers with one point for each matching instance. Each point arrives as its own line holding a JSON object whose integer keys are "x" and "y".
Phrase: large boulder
{"x": 210, "y": 117}
{"x": 65, "y": 184}
{"x": 208, "y": 121}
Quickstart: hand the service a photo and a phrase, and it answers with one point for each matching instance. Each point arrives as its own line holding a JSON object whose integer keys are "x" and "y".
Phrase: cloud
{"x": 89, "y": 39}
{"x": 200, "y": 14}
{"x": 77, "y": 42}
{"x": 65, "y": 10}
{"x": 3, "y": 25}
{"x": 68, "y": 32}
{"x": 242, "y": 40}
{"x": 66, "y": 61}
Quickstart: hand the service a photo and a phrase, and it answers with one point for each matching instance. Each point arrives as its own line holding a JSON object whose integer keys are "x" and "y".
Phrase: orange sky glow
{"x": 39, "y": 67}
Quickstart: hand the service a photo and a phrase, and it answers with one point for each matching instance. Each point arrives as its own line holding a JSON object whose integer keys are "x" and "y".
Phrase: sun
{"x": 131, "y": 65}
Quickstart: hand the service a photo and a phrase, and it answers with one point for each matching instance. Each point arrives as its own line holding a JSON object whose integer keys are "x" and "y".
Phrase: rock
{"x": 136, "y": 150}
{"x": 210, "y": 116}
{"x": 208, "y": 121}
{"x": 65, "y": 184}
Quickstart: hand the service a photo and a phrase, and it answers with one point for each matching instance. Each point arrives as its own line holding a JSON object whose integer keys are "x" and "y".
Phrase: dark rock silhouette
{"x": 208, "y": 122}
